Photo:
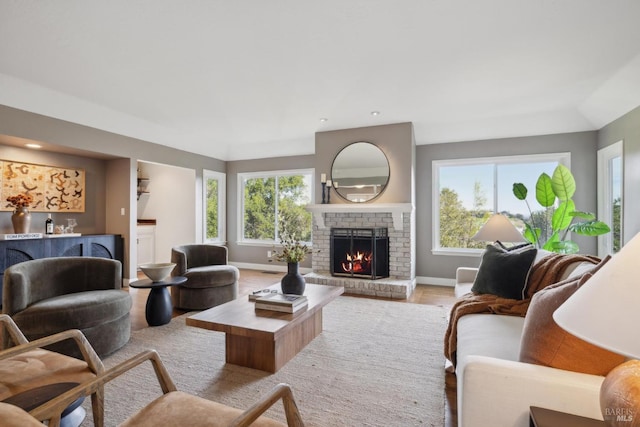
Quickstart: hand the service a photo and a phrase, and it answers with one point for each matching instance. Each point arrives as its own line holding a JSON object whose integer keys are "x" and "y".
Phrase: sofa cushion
{"x": 12, "y": 416}
{"x": 578, "y": 269}
{"x": 211, "y": 276}
{"x": 39, "y": 367}
{"x": 188, "y": 410}
{"x": 79, "y": 310}
{"x": 489, "y": 335}
{"x": 545, "y": 343}
{"x": 504, "y": 273}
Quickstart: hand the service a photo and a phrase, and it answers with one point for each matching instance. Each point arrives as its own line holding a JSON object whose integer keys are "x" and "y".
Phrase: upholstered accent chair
{"x": 175, "y": 407}
{"x": 26, "y": 366}
{"x": 49, "y": 295}
{"x": 210, "y": 281}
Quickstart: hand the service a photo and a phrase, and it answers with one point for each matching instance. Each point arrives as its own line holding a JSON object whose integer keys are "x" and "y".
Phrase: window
{"x": 213, "y": 190}
{"x": 271, "y": 199}
{"x": 610, "y": 197}
{"x": 467, "y": 191}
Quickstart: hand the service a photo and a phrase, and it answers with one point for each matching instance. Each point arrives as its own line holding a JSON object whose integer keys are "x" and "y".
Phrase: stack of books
{"x": 282, "y": 302}
{"x": 261, "y": 293}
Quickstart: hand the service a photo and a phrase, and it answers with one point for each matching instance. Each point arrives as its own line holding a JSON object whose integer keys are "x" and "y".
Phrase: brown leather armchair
{"x": 210, "y": 281}
{"x": 26, "y": 367}
{"x": 176, "y": 407}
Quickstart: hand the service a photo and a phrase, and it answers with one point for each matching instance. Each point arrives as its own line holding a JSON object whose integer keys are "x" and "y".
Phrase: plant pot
{"x": 21, "y": 220}
{"x": 292, "y": 282}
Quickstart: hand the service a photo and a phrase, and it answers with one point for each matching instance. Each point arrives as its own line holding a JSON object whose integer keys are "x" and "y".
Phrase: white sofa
{"x": 493, "y": 388}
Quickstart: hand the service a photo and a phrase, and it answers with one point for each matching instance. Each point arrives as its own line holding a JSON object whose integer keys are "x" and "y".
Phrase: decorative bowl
{"x": 157, "y": 271}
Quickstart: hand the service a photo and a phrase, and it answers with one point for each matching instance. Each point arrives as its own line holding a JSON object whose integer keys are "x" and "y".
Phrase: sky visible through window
{"x": 462, "y": 179}
{"x": 616, "y": 175}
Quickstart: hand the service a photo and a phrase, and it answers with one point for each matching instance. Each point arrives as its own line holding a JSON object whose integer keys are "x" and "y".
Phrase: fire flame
{"x": 358, "y": 262}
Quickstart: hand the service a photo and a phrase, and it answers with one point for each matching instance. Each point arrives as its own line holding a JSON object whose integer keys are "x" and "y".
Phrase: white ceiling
{"x": 251, "y": 79}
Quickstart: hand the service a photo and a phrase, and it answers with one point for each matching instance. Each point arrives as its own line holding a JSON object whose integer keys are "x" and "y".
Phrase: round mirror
{"x": 360, "y": 172}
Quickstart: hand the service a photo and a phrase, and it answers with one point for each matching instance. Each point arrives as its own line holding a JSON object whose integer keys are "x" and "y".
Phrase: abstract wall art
{"x": 53, "y": 188}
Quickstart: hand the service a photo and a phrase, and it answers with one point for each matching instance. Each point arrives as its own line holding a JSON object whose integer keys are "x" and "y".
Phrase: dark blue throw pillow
{"x": 504, "y": 273}
{"x": 517, "y": 247}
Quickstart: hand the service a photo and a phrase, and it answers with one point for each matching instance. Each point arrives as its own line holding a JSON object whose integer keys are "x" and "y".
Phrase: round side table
{"x": 159, "y": 308}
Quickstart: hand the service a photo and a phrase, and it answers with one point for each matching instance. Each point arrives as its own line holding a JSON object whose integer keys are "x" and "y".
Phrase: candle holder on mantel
{"x": 328, "y": 184}
{"x": 324, "y": 186}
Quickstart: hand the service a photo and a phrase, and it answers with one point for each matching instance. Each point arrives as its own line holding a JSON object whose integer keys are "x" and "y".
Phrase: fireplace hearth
{"x": 397, "y": 218}
{"x": 359, "y": 252}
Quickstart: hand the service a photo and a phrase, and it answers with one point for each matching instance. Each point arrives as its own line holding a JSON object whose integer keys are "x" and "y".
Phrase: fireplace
{"x": 396, "y": 218}
{"x": 359, "y": 252}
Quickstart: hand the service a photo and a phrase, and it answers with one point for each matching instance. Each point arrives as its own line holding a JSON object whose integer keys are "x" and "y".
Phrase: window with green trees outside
{"x": 271, "y": 197}
{"x": 214, "y": 196}
{"x": 467, "y": 191}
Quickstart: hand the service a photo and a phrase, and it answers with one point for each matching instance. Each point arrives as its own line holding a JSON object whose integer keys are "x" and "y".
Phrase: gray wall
{"x": 103, "y": 214}
{"x": 61, "y": 135}
{"x": 582, "y": 147}
{"x": 627, "y": 129}
{"x": 92, "y": 221}
{"x": 28, "y": 125}
{"x": 252, "y": 254}
{"x": 119, "y": 195}
{"x": 395, "y": 140}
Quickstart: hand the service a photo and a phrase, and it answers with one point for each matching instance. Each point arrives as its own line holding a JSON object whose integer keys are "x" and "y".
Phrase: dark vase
{"x": 292, "y": 282}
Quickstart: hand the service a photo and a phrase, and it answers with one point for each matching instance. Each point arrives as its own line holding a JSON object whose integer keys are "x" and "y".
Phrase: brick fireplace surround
{"x": 397, "y": 217}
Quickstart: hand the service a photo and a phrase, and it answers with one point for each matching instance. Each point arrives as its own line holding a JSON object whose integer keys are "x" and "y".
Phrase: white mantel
{"x": 397, "y": 210}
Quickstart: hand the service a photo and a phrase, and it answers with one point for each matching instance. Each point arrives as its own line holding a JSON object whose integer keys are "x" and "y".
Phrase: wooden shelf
{"x": 142, "y": 185}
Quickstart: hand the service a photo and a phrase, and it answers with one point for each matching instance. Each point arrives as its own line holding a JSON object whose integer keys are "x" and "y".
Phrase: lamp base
{"x": 620, "y": 396}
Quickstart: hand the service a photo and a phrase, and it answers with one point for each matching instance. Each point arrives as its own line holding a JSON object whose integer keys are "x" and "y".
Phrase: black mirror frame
{"x": 383, "y": 187}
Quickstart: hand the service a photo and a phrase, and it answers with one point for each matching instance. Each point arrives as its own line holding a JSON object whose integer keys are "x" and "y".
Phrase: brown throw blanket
{"x": 544, "y": 273}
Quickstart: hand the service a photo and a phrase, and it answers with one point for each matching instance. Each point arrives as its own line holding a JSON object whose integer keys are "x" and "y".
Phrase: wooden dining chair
{"x": 30, "y": 373}
{"x": 176, "y": 408}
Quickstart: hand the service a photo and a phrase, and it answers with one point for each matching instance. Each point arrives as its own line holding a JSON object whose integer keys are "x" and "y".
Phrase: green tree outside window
{"x": 212, "y": 209}
{"x": 270, "y": 199}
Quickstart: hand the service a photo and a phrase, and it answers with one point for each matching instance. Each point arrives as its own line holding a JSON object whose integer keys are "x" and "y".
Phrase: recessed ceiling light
{"x": 375, "y": 113}
{"x": 324, "y": 119}
{"x": 33, "y": 145}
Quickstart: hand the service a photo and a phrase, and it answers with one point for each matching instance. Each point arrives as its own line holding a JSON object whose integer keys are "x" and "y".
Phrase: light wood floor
{"x": 251, "y": 280}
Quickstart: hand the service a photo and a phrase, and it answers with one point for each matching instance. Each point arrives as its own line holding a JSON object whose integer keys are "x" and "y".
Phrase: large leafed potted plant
{"x": 559, "y": 216}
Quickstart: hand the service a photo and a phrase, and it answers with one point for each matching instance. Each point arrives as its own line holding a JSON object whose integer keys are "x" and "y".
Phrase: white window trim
{"x": 562, "y": 158}
{"x": 264, "y": 174}
{"x": 605, "y": 155}
{"x": 222, "y": 199}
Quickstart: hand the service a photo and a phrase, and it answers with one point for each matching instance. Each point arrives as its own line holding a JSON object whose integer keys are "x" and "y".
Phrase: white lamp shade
{"x": 498, "y": 227}
{"x": 605, "y": 311}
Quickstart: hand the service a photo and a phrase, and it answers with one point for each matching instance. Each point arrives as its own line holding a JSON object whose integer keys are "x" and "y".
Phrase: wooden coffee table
{"x": 265, "y": 339}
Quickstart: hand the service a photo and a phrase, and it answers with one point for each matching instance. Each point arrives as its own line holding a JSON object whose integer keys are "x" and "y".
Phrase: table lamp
{"x": 499, "y": 228}
{"x": 604, "y": 312}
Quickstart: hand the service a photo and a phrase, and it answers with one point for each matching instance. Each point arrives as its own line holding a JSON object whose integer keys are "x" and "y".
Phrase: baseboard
{"x": 420, "y": 280}
{"x": 436, "y": 281}
{"x": 267, "y": 267}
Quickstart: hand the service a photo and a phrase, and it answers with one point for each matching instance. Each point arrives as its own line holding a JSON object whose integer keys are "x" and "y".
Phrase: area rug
{"x": 376, "y": 363}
